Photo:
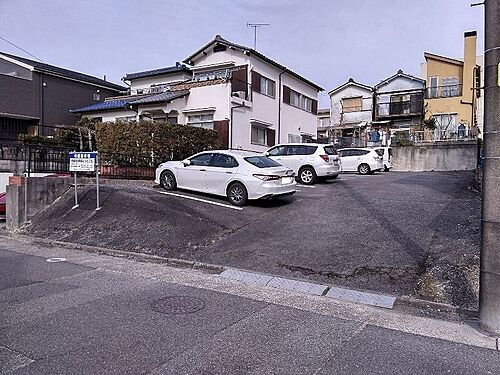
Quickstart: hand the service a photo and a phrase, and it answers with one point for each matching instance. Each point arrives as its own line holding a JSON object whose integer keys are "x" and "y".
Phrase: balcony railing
{"x": 448, "y": 91}
{"x": 401, "y": 108}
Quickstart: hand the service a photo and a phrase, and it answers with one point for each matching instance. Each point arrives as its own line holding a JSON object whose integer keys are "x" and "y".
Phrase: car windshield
{"x": 380, "y": 151}
{"x": 261, "y": 161}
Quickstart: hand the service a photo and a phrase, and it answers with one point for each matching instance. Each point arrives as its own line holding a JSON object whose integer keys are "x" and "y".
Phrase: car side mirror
{"x": 266, "y": 153}
{"x": 186, "y": 162}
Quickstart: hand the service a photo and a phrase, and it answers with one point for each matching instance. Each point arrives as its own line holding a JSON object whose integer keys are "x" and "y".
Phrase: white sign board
{"x": 82, "y": 161}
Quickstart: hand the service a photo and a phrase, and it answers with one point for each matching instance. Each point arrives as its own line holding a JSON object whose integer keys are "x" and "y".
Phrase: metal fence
{"x": 438, "y": 135}
{"x": 28, "y": 152}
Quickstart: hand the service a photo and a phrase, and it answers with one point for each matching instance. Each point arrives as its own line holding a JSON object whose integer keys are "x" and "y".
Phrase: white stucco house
{"x": 252, "y": 101}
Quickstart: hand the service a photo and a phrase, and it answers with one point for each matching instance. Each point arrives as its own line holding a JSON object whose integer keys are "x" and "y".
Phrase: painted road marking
{"x": 201, "y": 200}
{"x": 56, "y": 260}
{"x": 308, "y": 186}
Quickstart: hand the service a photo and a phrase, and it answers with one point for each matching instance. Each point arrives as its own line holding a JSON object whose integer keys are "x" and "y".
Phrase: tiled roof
{"x": 399, "y": 73}
{"x": 120, "y": 103}
{"x": 220, "y": 40}
{"x": 157, "y": 72}
{"x": 51, "y": 69}
{"x": 163, "y": 97}
{"x": 351, "y": 81}
{"x": 102, "y": 106}
{"x": 190, "y": 85}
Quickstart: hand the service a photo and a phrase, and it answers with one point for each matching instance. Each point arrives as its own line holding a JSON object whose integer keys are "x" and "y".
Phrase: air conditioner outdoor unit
{"x": 239, "y": 94}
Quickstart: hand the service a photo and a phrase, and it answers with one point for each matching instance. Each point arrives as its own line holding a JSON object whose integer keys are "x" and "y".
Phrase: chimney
{"x": 470, "y": 38}
{"x": 104, "y": 78}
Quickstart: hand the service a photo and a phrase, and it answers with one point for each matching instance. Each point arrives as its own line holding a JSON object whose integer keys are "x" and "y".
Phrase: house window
{"x": 450, "y": 87}
{"x": 259, "y": 135}
{"x": 97, "y": 97}
{"x": 295, "y": 98}
{"x": 433, "y": 87}
{"x": 446, "y": 122}
{"x": 201, "y": 120}
{"x": 267, "y": 86}
{"x": 14, "y": 70}
{"x": 352, "y": 104}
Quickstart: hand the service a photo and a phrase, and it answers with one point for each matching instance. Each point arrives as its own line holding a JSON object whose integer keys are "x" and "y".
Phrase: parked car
{"x": 386, "y": 153}
{"x": 361, "y": 160}
{"x": 238, "y": 175}
{"x": 3, "y": 197}
{"x": 309, "y": 161}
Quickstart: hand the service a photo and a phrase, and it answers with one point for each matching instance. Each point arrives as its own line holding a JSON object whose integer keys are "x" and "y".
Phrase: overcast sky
{"x": 325, "y": 41}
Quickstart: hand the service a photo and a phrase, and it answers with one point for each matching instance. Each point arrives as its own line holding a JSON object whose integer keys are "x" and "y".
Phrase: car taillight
{"x": 325, "y": 158}
{"x": 267, "y": 177}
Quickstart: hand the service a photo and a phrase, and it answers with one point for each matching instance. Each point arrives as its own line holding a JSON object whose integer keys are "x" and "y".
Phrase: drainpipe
{"x": 279, "y": 107}
{"x": 231, "y": 125}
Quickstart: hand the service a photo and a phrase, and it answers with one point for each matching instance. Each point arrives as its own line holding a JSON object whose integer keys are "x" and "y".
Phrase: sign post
{"x": 85, "y": 162}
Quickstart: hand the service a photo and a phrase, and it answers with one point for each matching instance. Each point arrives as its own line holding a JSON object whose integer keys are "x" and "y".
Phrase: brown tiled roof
{"x": 190, "y": 85}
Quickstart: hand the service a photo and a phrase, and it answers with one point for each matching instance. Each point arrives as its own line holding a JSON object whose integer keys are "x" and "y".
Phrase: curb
{"x": 401, "y": 303}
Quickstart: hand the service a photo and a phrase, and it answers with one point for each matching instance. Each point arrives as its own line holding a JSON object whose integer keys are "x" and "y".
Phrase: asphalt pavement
{"x": 413, "y": 234}
{"x": 71, "y": 312}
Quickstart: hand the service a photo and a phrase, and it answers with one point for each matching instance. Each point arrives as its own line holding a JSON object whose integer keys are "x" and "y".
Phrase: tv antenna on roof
{"x": 255, "y": 27}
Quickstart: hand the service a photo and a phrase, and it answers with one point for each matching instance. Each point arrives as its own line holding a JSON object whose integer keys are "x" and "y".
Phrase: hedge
{"x": 147, "y": 143}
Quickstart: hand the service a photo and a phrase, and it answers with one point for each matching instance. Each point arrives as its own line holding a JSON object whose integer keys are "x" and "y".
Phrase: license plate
{"x": 286, "y": 180}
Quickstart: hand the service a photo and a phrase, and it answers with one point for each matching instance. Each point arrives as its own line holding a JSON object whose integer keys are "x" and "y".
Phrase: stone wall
{"x": 449, "y": 156}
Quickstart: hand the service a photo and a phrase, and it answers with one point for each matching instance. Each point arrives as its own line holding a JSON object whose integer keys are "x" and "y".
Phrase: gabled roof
{"x": 397, "y": 75}
{"x": 131, "y": 100}
{"x": 220, "y": 40}
{"x": 65, "y": 73}
{"x": 428, "y": 55}
{"x": 157, "y": 72}
{"x": 350, "y": 82}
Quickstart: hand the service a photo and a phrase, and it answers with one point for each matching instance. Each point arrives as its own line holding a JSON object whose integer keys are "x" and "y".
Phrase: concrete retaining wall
{"x": 28, "y": 196}
{"x": 449, "y": 156}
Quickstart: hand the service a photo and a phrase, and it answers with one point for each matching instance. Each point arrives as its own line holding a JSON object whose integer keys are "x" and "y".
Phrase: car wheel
{"x": 364, "y": 169}
{"x": 237, "y": 194}
{"x": 167, "y": 180}
{"x": 386, "y": 169}
{"x": 307, "y": 176}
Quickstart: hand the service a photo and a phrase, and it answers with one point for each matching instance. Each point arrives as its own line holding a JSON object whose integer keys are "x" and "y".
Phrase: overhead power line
{"x": 22, "y": 49}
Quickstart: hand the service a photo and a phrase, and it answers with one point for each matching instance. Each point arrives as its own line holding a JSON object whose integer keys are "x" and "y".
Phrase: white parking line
{"x": 201, "y": 200}
{"x": 308, "y": 186}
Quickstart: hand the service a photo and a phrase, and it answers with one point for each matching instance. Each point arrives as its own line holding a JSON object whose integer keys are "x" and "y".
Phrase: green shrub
{"x": 147, "y": 143}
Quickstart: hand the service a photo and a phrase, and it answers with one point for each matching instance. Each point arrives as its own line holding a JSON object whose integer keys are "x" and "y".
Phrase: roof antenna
{"x": 255, "y": 27}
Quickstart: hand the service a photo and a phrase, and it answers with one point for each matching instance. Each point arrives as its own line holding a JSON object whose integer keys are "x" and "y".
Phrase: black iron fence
{"x": 28, "y": 152}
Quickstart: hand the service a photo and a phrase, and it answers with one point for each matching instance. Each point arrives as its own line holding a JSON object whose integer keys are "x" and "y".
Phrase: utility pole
{"x": 255, "y": 27}
{"x": 489, "y": 287}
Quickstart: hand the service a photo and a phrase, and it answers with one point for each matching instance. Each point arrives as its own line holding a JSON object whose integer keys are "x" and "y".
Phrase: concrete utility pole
{"x": 489, "y": 289}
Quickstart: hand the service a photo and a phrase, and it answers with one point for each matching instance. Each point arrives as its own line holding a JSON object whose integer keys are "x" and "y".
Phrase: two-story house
{"x": 398, "y": 104}
{"x": 323, "y": 130}
{"x": 453, "y": 97}
{"x": 34, "y": 93}
{"x": 351, "y": 112}
{"x": 252, "y": 101}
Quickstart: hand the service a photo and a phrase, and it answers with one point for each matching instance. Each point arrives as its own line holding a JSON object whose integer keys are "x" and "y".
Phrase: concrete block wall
{"x": 28, "y": 196}
{"x": 449, "y": 156}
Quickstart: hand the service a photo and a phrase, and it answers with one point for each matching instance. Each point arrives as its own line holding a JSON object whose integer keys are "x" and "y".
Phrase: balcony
{"x": 399, "y": 109}
{"x": 439, "y": 92}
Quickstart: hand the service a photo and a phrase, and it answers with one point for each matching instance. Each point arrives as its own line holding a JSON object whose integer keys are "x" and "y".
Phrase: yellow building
{"x": 451, "y": 95}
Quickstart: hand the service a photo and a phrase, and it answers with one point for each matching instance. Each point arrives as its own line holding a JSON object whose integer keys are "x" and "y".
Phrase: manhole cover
{"x": 178, "y": 305}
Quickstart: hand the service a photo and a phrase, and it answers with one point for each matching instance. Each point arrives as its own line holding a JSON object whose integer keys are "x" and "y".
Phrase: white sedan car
{"x": 239, "y": 175}
{"x": 361, "y": 160}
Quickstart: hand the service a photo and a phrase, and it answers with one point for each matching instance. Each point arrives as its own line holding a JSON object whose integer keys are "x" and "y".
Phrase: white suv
{"x": 308, "y": 160}
{"x": 361, "y": 160}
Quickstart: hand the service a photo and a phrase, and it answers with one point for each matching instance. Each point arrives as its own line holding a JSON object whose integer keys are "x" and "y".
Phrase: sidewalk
{"x": 99, "y": 314}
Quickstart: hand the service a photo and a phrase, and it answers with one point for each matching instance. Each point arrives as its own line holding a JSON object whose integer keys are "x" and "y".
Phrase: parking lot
{"x": 398, "y": 233}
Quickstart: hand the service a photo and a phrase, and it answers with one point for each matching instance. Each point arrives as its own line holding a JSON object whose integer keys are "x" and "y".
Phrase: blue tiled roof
{"x": 156, "y": 72}
{"x": 132, "y": 100}
{"x": 109, "y": 104}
